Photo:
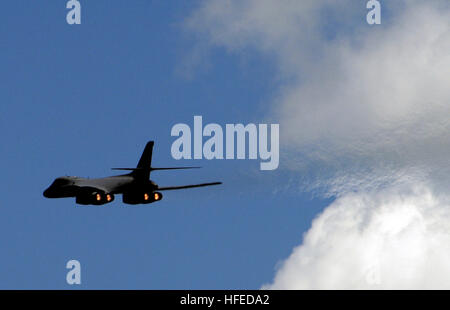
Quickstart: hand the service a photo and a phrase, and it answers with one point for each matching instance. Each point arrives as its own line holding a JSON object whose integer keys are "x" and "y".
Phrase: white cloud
{"x": 363, "y": 108}
{"x": 371, "y": 100}
{"x": 385, "y": 240}
{"x": 382, "y": 105}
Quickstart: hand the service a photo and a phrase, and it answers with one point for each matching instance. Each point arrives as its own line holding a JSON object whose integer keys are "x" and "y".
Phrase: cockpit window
{"x": 61, "y": 182}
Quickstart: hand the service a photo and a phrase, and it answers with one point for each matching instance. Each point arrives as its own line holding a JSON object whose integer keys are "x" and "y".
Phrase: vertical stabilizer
{"x": 144, "y": 165}
{"x": 146, "y": 158}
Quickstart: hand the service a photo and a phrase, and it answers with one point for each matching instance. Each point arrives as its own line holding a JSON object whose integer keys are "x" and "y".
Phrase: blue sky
{"x": 81, "y": 99}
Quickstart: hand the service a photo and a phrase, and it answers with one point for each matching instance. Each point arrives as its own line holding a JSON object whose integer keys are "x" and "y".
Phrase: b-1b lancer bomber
{"x": 135, "y": 187}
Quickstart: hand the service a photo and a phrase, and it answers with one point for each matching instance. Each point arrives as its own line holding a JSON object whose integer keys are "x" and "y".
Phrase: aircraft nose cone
{"x": 47, "y": 193}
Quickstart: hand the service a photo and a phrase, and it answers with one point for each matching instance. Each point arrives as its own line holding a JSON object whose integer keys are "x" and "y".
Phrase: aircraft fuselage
{"x": 135, "y": 187}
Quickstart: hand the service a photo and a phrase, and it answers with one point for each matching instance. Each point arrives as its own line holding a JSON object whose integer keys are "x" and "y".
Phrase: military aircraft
{"x": 135, "y": 187}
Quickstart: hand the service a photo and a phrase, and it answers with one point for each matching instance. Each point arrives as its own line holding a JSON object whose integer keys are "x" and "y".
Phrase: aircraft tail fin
{"x": 144, "y": 166}
{"x": 142, "y": 169}
{"x": 145, "y": 161}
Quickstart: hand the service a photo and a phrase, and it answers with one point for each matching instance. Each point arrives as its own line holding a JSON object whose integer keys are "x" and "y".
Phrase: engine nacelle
{"x": 145, "y": 197}
{"x": 94, "y": 198}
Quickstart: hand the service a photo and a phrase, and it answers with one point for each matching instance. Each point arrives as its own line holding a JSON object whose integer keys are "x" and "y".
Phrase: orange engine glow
{"x": 146, "y": 196}
{"x": 98, "y": 197}
{"x": 108, "y": 197}
{"x": 156, "y": 195}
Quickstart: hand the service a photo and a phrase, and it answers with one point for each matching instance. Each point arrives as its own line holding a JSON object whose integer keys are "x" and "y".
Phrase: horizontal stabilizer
{"x": 154, "y": 169}
{"x": 187, "y": 186}
{"x": 173, "y": 168}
